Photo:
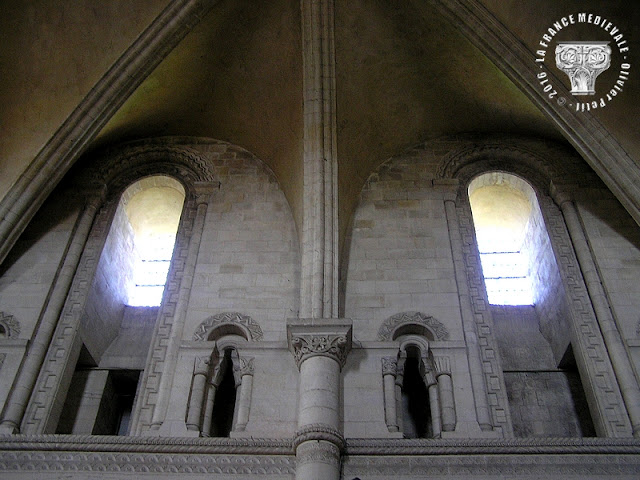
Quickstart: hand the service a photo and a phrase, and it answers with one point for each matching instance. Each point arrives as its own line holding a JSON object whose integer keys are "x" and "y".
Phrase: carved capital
{"x": 389, "y": 365}
{"x": 242, "y": 366}
{"x": 201, "y": 365}
{"x": 563, "y": 193}
{"x": 442, "y": 365}
{"x": 204, "y": 190}
{"x": 319, "y": 337}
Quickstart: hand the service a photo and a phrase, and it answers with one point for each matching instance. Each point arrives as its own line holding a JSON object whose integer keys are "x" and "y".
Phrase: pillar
{"x": 243, "y": 375}
{"x": 434, "y": 403}
{"x": 474, "y": 356}
{"x": 320, "y": 348}
{"x": 319, "y": 272}
{"x": 445, "y": 391}
{"x": 16, "y": 403}
{"x": 198, "y": 390}
{"x": 203, "y": 196}
{"x": 389, "y": 365}
{"x": 611, "y": 335}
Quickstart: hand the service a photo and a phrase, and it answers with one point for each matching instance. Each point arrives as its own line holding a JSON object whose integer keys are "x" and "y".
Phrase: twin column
{"x": 320, "y": 348}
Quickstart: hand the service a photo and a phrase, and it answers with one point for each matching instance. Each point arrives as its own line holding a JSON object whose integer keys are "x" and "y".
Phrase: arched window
{"x": 222, "y": 384}
{"x": 114, "y": 332}
{"x": 504, "y": 214}
{"x": 529, "y": 309}
{"x": 151, "y": 208}
{"x": 418, "y": 391}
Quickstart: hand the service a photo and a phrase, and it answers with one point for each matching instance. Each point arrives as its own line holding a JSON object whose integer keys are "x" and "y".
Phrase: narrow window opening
{"x": 225, "y": 399}
{"x": 502, "y": 213}
{"x": 578, "y": 399}
{"x": 152, "y": 208}
{"x": 416, "y": 416}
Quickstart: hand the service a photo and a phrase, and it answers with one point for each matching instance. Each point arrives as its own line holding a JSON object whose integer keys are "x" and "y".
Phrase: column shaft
{"x": 447, "y": 405}
{"x": 390, "y": 411}
{"x": 208, "y": 410}
{"x": 470, "y": 334}
{"x": 610, "y": 333}
{"x": 196, "y": 401}
{"x": 171, "y": 357}
{"x": 244, "y": 403}
{"x": 434, "y": 407}
{"x": 16, "y": 403}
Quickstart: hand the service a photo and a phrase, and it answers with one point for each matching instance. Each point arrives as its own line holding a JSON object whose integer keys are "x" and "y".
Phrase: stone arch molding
{"x": 244, "y": 322}
{"x": 393, "y": 323}
{"x": 10, "y": 325}
{"x": 119, "y": 166}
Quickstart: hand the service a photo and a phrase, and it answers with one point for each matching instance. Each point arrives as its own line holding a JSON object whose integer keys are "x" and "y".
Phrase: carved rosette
{"x": 333, "y": 346}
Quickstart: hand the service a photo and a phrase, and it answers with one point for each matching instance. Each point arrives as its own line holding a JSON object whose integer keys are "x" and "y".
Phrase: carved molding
{"x": 334, "y": 346}
{"x": 10, "y": 324}
{"x": 497, "y": 466}
{"x": 152, "y": 463}
{"x": 318, "y": 452}
{"x": 391, "y": 324}
{"x": 244, "y": 322}
{"x": 319, "y": 431}
{"x": 502, "y": 446}
{"x": 146, "y": 444}
{"x": 491, "y": 365}
{"x": 120, "y": 166}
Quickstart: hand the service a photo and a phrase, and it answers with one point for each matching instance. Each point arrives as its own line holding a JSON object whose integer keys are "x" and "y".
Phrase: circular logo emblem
{"x": 581, "y": 50}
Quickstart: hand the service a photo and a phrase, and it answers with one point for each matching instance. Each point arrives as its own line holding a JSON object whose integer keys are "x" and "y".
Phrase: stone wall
{"x": 249, "y": 257}
{"x": 108, "y": 295}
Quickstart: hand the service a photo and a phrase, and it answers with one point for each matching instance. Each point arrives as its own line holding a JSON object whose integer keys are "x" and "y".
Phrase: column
{"x": 175, "y": 336}
{"x": 400, "y": 363}
{"x": 208, "y": 408}
{"x": 389, "y": 365}
{"x": 243, "y": 374}
{"x": 611, "y": 335}
{"x": 212, "y": 388}
{"x": 197, "y": 397}
{"x": 445, "y": 391}
{"x": 16, "y": 403}
{"x": 320, "y": 348}
{"x": 319, "y": 274}
{"x": 434, "y": 402}
{"x": 474, "y": 356}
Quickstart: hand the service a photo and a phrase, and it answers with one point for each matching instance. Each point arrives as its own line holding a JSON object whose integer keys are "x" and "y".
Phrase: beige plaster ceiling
{"x": 53, "y": 52}
{"x": 404, "y": 75}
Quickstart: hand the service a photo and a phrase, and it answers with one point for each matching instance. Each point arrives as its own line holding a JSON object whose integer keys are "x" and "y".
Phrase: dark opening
{"x": 124, "y": 384}
{"x": 415, "y": 400}
{"x": 225, "y": 400}
{"x": 580, "y": 405}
